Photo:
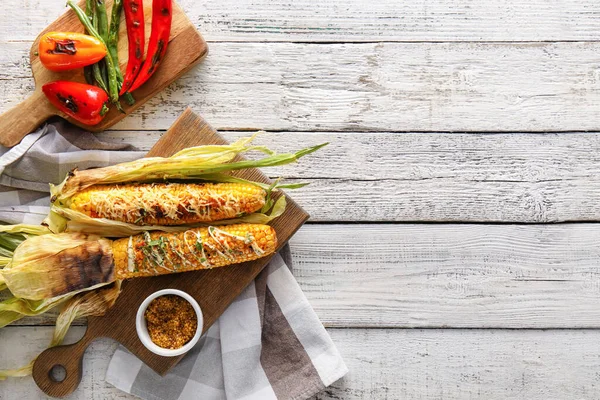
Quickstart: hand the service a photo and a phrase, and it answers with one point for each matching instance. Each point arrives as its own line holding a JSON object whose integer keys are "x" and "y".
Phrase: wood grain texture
{"x": 467, "y": 364}
{"x": 214, "y": 289}
{"x": 460, "y": 276}
{"x": 356, "y": 20}
{"x": 434, "y": 87}
{"x": 186, "y": 49}
{"x": 447, "y": 364}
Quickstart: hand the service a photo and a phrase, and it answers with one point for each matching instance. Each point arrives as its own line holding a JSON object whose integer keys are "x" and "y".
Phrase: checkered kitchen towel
{"x": 269, "y": 344}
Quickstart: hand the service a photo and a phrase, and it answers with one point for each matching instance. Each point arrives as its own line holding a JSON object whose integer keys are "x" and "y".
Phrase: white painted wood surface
{"x": 356, "y": 20}
{"x": 371, "y": 87}
{"x": 449, "y": 364}
{"x": 410, "y": 95}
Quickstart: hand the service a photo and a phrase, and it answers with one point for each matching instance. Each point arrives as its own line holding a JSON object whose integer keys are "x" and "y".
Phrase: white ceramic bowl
{"x": 142, "y": 329}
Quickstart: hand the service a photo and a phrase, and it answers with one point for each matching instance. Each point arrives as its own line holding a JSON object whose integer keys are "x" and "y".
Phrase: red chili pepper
{"x": 83, "y": 102}
{"x": 134, "y": 19}
{"x": 60, "y": 51}
{"x": 159, "y": 39}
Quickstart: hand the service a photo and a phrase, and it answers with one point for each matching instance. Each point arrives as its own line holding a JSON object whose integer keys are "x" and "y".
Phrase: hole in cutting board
{"x": 58, "y": 373}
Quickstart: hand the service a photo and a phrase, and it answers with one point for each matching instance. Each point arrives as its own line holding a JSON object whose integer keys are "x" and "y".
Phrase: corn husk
{"x": 93, "y": 303}
{"x": 11, "y": 236}
{"x": 178, "y": 166}
{"x": 14, "y": 308}
{"x": 17, "y": 373}
{"x": 202, "y": 163}
{"x": 50, "y": 266}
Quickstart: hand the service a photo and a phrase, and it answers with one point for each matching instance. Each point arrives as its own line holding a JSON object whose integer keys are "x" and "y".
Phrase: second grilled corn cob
{"x": 169, "y": 203}
{"x": 161, "y": 253}
{"x": 49, "y": 266}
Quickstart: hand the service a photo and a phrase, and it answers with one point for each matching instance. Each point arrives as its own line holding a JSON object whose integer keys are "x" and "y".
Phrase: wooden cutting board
{"x": 186, "y": 49}
{"x": 213, "y": 289}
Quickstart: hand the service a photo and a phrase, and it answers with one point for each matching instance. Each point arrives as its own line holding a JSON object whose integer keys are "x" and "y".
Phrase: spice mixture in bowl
{"x": 169, "y": 322}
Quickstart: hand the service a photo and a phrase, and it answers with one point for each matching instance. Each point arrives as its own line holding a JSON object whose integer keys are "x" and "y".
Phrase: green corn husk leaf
{"x": 75, "y": 221}
{"x": 187, "y": 162}
{"x": 45, "y": 267}
{"x": 224, "y": 178}
{"x": 25, "y": 229}
{"x": 8, "y": 243}
{"x": 15, "y": 308}
{"x": 11, "y": 236}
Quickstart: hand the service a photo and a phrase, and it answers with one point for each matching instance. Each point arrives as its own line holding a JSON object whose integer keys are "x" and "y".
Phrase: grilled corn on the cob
{"x": 54, "y": 265}
{"x": 161, "y": 253}
{"x": 169, "y": 203}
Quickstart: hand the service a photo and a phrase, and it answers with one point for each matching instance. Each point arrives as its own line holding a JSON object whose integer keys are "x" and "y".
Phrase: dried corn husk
{"x": 51, "y": 266}
{"x": 93, "y": 303}
{"x": 14, "y": 308}
{"x": 17, "y": 373}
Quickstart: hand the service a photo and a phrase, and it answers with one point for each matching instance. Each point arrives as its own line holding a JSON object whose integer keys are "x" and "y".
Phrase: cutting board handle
{"x": 24, "y": 118}
{"x": 69, "y": 358}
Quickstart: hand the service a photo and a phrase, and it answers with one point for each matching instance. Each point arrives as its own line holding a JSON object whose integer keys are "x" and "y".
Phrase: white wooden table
{"x": 454, "y": 248}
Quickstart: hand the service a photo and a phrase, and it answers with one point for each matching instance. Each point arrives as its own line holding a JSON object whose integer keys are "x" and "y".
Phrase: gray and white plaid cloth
{"x": 269, "y": 343}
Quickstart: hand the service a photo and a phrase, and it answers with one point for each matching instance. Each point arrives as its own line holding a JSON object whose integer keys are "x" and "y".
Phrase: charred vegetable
{"x": 113, "y": 85}
{"x": 134, "y": 19}
{"x": 65, "y": 264}
{"x": 159, "y": 39}
{"x": 169, "y": 203}
{"x": 83, "y": 102}
{"x": 113, "y": 37}
{"x": 61, "y": 51}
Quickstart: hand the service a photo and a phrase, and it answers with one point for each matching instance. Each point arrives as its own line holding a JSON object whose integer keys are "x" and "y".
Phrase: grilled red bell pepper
{"x": 60, "y": 51}
{"x": 83, "y": 102}
{"x": 136, "y": 37}
{"x": 159, "y": 39}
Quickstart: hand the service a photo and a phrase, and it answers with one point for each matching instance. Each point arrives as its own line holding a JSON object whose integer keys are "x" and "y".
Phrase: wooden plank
{"x": 393, "y": 364}
{"x": 356, "y": 20}
{"x": 436, "y": 176}
{"x": 467, "y": 364}
{"x": 469, "y": 87}
{"x": 462, "y": 276}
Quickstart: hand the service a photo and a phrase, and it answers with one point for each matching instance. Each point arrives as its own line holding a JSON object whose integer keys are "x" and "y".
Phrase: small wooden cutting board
{"x": 186, "y": 49}
{"x": 214, "y": 289}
